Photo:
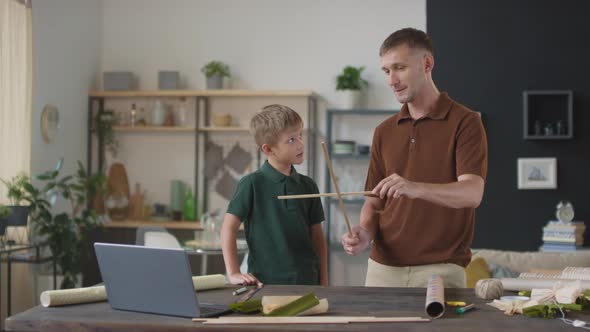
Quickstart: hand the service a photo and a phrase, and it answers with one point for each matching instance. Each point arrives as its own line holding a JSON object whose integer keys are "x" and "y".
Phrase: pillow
{"x": 476, "y": 269}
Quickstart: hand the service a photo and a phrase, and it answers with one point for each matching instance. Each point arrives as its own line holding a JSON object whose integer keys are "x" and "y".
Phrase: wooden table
{"x": 344, "y": 301}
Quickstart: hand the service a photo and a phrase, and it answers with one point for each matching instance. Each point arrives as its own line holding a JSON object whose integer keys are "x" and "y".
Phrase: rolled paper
{"x": 209, "y": 281}
{"x": 435, "y": 297}
{"x": 517, "y": 284}
{"x": 54, "y": 298}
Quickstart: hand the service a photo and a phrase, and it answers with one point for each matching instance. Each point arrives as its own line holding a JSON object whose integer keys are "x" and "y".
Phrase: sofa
{"x": 526, "y": 261}
{"x": 489, "y": 263}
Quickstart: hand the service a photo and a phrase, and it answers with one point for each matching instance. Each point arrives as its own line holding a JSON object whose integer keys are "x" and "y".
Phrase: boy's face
{"x": 289, "y": 148}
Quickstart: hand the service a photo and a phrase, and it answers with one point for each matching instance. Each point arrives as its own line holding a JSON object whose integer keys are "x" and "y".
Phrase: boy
{"x": 285, "y": 237}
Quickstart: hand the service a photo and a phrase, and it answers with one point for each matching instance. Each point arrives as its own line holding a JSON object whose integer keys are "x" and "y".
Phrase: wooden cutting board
{"x": 118, "y": 185}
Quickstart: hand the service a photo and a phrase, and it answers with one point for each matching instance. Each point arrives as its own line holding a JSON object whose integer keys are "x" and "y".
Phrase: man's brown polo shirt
{"x": 437, "y": 148}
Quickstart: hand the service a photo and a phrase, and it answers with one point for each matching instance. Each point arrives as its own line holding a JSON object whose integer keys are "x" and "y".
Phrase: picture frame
{"x": 537, "y": 173}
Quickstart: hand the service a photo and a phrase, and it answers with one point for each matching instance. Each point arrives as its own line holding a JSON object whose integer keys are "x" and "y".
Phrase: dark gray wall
{"x": 486, "y": 53}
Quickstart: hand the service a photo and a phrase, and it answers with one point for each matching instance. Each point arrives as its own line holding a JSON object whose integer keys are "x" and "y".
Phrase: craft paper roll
{"x": 54, "y": 298}
{"x": 270, "y": 303}
{"x": 517, "y": 284}
{"x": 435, "y": 297}
{"x": 209, "y": 282}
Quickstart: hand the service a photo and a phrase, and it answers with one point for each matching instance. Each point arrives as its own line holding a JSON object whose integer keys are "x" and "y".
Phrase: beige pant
{"x": 379, "y": 275}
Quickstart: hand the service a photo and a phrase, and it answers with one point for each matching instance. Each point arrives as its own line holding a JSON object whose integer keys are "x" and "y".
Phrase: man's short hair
{"x": 268, "y": 124}
{"x": 414, "y": 38}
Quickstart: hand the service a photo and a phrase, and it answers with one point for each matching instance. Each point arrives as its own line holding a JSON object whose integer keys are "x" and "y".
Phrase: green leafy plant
{"x": 65, "y": 232}
{"x": 19, "y": 189}
{"x": 5, "y": 211}
{"x": 106, "y": 135}
{"x": 213, "y": 68}
{"x": 350, "y": 79}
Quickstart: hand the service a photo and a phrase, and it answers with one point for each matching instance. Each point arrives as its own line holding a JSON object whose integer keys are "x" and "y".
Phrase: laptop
{"x": 151, "y": 280}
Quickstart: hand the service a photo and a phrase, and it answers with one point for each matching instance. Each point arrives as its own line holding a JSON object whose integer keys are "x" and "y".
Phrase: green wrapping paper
{"x": 247, "y": 307}
{"x": 303, "y": 303}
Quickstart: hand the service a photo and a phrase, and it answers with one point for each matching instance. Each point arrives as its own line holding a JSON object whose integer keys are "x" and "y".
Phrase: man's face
{"x": 406, "y": 71}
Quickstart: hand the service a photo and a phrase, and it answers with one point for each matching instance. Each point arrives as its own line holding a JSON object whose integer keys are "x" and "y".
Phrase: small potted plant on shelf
{"x": 215, "y": 71}
{"x": 106, "y": 135}
{"x": 65, "y": 232}
{"x": 349, "y": 85}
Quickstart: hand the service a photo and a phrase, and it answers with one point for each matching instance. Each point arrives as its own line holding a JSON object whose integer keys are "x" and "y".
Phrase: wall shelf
{"x": 202, "y": 93}
{"x": 202, "y": 129}
{"x": 548, "y": 114}
{"x": 153, "y": 129}
{"x": 331, "y": 227}
{"x": 190, "y": 225}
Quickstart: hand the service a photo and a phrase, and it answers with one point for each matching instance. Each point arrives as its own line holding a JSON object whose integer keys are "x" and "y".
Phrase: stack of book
{"x": 558, "y": 236}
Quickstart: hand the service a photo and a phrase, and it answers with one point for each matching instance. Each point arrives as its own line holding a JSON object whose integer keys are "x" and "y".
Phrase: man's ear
{"x": 428, "y": 63}
{"x": 266, "y": 149}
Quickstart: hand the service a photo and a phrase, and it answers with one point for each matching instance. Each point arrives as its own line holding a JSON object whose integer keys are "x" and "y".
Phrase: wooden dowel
{"x": 342, "y": 207}
{"x": 347, "y": 193}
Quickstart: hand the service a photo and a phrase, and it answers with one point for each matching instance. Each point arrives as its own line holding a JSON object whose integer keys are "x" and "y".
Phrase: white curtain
{"x": 16, "y": 81}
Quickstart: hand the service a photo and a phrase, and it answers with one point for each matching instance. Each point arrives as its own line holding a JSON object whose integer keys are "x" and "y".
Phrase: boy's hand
{"x": 243, "y": 279}
{"x": 359, "y": 241}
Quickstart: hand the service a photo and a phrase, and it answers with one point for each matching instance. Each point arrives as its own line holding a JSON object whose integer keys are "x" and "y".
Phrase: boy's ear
{"x": 266, "y": 149}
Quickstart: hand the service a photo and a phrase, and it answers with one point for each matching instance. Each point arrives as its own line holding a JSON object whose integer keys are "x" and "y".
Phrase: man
{"x": 427, "y": 170}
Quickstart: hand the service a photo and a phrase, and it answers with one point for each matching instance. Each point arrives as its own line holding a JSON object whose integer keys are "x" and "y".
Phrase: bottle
{"x": 158, "y": 113}
{"x": 141, "y": 118}
{"x": 189, "y": 206}
{"x": 133, "y": 116}
{"x": 181, "y": 115}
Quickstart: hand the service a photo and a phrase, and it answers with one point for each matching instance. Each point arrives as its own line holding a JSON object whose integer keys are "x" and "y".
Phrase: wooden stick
{"x": 307, "y": 320}
{"x": 342, "y": 207}
{"x": 347, "y": 193}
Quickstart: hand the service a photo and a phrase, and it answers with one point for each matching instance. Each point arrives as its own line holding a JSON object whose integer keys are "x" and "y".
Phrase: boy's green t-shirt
{"x": 278, "y": 231}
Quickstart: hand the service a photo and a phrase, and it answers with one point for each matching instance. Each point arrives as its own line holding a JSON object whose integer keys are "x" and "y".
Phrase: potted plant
{"x": 349, "y": 85}
{"x": 5, "y": 212}
{"x": 106, "y": 135}
{"x": 215, "y": 71}
{"x": 18, "y": 188}
{"x": 65, "y": 232}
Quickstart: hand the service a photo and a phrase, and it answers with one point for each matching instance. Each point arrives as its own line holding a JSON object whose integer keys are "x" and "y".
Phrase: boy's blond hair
{"x": 267, "y": 125}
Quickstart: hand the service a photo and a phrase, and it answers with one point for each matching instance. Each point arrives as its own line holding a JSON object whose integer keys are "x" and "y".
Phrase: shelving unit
{"x": 548, "y": 114}
{"x": 202, "y": 128}
{"x": 331, "y": 202}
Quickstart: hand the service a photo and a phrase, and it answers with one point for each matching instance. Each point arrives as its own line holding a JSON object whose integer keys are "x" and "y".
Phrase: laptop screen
{"x": 144, "y": 279}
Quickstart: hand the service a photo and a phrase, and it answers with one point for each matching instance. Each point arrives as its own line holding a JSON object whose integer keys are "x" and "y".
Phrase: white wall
{"x": 66, "y": 49}
{"x": 268, "y": 44}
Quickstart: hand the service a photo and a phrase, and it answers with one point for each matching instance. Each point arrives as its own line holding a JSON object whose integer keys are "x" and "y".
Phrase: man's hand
{"x": 396, "y": 186}
{"x": 243, "y": 279}
{"x": 359, "y": 241}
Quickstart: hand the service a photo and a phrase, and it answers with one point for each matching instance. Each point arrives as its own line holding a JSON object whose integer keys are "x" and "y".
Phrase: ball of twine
{"x": 489, "y": 289}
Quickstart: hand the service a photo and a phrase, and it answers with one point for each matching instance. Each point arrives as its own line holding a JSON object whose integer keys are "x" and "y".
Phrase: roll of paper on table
{"x": 466, "y": 308}
{"x": 435, "y": 297}
{"x": 240, "y": 291}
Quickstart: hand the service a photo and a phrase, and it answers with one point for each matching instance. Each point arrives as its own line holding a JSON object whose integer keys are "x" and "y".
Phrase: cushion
{"x": 476, "y": 269}
{"x": 526, "y": 261}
